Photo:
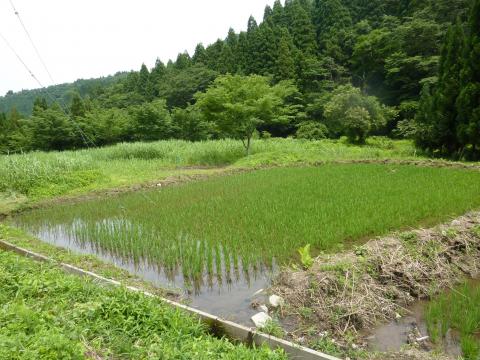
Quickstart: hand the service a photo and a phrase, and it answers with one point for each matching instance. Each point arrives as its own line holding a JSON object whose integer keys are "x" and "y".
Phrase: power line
{"x": 21, "y": 60}
{"x": 84, "y": 136}
{"x": 31, "y": 42}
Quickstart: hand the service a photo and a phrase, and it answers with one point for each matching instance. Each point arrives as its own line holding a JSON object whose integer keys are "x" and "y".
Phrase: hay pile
{"x": 353, "y": 291}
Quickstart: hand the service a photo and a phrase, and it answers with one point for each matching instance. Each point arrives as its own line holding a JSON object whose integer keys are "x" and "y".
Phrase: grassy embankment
{"x": 27, "y": 178}
{"x": 255, "y": 216}
{"x": 46, "y": 314}
{"x": 459, "y": 310}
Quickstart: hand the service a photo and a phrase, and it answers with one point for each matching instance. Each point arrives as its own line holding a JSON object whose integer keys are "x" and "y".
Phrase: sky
{"x": 92, "y": 38}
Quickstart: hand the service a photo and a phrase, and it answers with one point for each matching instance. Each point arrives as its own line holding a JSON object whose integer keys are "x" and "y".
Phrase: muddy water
{"x": 228, "y": 297}
{"x": 394, "y": 335}
{"x": 398, "y": 333}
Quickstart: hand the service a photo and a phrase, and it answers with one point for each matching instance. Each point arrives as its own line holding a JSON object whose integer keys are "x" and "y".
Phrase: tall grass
{"x": 459, "y": 310}
{"x": 47, "y": 314}
{"x": 38, "y": 173}
{"x": 251, "y": 219}
{"x": 23, "y": 173}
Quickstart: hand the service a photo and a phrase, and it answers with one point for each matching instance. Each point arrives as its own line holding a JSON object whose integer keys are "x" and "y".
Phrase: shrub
{"x": 344, "y": 117}
{"x": 357, "y": 124}
{"x": 311, "y": 130}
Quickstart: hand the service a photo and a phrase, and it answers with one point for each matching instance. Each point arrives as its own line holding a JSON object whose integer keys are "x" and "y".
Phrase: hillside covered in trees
{"x": 323, "y": 68}
{"x": 23, "y": 100}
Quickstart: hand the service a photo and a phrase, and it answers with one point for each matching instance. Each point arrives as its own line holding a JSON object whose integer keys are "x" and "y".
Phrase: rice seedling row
{"x": 457, "y": 314}
{"x": 246, "y": 223}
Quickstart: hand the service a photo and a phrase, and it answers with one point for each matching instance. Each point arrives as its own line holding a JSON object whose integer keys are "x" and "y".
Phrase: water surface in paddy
{"x": 228, "y": 294}
{"x": 396, "y": 334}
{"x": 218, "y": 239}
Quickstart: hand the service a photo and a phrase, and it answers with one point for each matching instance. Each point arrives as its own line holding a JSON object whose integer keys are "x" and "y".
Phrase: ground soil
{"x": 345, "y": 295}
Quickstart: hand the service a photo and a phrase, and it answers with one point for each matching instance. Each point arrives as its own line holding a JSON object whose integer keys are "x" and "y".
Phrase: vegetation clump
{"x": 48, "y": 314}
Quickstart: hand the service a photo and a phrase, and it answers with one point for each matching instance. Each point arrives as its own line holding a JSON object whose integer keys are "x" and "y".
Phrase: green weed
{"x": 47, "y": 314}
{"x": 305, "y": 257}
{"x": 306, "y": 312}
{"x": 273, "y": 327}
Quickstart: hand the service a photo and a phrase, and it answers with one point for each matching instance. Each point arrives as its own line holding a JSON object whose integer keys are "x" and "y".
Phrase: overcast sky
{"x": 91, "y": 38}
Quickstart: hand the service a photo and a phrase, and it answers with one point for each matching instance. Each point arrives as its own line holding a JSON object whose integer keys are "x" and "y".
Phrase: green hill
{"x": 23, "y": 100}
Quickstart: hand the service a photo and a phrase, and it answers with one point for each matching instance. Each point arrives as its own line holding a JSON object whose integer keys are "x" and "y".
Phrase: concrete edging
{"x": 230, "y": 329}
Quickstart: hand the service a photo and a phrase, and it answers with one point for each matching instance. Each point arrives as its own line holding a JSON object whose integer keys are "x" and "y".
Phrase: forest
{"x": 310, "y": 69}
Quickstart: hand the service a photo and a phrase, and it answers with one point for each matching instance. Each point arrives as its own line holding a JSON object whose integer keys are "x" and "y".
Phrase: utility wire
{"x": 86, "y": 139}
{"x": 21, "y": 60}
{"x": 31, "y": 42}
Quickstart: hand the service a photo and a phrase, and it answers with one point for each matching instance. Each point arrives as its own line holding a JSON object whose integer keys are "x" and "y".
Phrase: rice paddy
{"x": 42, "y": 175}
{"x": 221, "y": 227}
{"x": 459, "y": 312}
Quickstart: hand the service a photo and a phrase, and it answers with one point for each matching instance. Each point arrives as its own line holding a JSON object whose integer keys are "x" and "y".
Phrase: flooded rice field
{"x": 223, "y": 239}
{"x": 227, "y": 293}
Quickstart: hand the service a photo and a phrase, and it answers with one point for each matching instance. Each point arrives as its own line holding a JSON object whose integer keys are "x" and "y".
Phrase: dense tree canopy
{"x": 384, "y": 55}
{"x": 448, "y": 122}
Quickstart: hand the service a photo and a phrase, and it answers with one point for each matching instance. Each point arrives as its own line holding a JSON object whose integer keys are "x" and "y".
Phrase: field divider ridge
{"x": 216, "y": 324}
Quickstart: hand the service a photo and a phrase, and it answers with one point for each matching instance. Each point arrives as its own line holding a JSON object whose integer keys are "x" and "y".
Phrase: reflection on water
{"x": 226, "y": 292}
{"x": 396, "y": 334}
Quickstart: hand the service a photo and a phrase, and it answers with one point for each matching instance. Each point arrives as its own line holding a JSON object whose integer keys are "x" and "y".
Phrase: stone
{"x": 263, "y": 308}
{"x": 275, "y": 301}
{"x": 260, "y": 319}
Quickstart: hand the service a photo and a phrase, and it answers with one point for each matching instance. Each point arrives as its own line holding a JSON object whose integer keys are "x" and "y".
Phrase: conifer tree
{"x": 448, "y": 89}
{"x": 254, "y": 63}
{"x": 156, "y": 76}
{"x": 329, "y": 16}
{"x": 468, "y": 102}
{"x": 39, "y": 105}
{"x": 232, "y": 39}
{"x": 266, "y": 50}
{"x": 278, "y": 14}
{"x": 226, "y": 62}
{"x": 200, "y": 54}
{"x": 285, "y": 64}
{"x": 142, "y": 81}
{"x": 252, "y": 24}
{"x": 267, "y": 14}
{"x": 302, "y": 29}
{"x": 243, "y": 47}
{"x": 183, "y": 61}
{"x": 228, "y": 57}
{"x": 77, "y": 107}
{"x": 214, "y": 52}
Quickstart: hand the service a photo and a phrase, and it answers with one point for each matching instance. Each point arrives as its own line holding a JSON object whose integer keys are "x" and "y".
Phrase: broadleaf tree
{"x": 239, "y": 105}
